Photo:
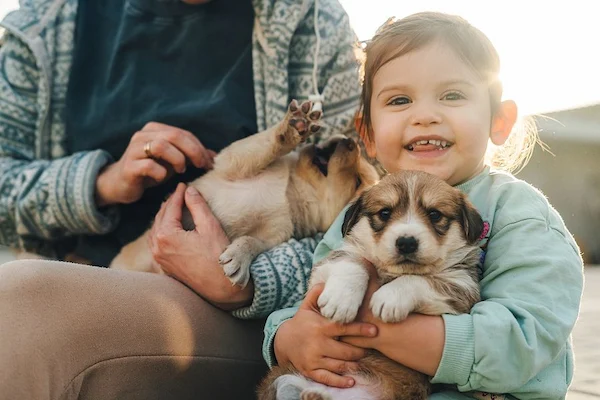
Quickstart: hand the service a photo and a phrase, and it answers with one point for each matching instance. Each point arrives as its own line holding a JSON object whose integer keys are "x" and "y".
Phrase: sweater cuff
{"x": 269, "y": 346}
{"x": 274, "y": 322}
{"x": 266, "y": 289}
{"x": 75, "y": 190}
{"x": 280, "y": 277}
{"x": 459, "y": 351}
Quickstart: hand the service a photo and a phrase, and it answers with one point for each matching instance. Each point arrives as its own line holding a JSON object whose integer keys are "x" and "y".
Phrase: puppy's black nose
{"x": 407, "y": 245}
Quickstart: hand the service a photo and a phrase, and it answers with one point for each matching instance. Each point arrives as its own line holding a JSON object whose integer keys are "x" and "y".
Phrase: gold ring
{"x": 148, "y": 149}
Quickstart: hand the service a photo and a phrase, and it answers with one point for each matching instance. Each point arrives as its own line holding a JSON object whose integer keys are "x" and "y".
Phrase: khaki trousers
{"x": 69, "y": 331}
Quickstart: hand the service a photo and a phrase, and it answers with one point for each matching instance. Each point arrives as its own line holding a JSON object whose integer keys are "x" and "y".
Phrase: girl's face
{"x": 431, "y": 112}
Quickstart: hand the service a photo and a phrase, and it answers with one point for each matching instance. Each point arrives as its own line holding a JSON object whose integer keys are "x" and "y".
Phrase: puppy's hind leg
{"x": 249, "y": 156}
{"x": 238, "y": 256}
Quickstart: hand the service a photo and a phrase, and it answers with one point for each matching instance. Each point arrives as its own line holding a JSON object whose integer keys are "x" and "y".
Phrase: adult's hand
{"x": 170, "y": 148}
{"x": 192, "y": 256}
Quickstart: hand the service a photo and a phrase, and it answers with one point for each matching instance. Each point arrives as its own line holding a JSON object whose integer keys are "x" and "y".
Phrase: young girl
{"x": 431, "y": 101}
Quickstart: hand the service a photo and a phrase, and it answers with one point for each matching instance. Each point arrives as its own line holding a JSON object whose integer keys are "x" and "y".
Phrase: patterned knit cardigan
{"x": 47, "y": 195}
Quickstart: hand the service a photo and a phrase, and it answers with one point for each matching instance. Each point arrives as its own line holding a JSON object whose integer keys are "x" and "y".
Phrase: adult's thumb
{"x": 197, "y": 206}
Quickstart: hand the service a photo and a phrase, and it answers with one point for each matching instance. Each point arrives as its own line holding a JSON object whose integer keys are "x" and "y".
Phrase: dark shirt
{"x": 138, "y": 61}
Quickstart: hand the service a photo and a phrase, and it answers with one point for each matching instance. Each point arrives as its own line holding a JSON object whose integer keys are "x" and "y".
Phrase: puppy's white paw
{"x": 339, "y": 302}
{"x": 389, "y": 305}
{"x": 236, "y": 264}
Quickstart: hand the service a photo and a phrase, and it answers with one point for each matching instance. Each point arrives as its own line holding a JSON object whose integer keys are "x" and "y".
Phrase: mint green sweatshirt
{"x": 516, "y": 341}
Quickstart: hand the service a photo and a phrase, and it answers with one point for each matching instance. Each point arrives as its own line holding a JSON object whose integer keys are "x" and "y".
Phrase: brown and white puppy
{"x": 263, "y": 193}
{"x": 420, "y": 234}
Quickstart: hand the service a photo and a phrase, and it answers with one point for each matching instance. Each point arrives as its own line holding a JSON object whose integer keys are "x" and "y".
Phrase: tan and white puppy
{"x": 421, "y": 235}
{"x": 263, "y": 193}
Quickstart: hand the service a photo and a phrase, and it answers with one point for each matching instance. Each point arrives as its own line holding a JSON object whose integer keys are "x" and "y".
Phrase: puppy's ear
{"x": 471, "y": 221}
{"x": 352, "y": 216}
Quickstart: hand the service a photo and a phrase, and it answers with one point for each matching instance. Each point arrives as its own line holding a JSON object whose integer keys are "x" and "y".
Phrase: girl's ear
{"x": 364, "y": 135}
{"x": 503, "y": 122}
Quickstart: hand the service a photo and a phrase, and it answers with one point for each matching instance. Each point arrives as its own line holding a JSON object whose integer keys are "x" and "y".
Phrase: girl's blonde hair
{"x": 396, "y": 38}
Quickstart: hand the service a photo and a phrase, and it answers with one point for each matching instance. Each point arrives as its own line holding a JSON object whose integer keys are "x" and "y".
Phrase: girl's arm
{"x": 40, "y": 200}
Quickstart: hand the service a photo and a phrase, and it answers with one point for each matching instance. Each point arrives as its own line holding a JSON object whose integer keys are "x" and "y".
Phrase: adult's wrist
{"x": 103, "y": 188}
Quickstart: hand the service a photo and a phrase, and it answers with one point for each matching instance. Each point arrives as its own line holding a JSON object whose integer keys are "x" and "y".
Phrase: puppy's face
{"x": 410, "y": 222}
{"x": 336, "y": 172}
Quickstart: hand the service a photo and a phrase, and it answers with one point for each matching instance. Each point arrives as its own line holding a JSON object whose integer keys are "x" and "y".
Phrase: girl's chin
{"x": 438, "y": 171}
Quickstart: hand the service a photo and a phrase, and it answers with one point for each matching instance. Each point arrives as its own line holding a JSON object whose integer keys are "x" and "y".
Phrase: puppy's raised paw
{"x": 301, "y": 121}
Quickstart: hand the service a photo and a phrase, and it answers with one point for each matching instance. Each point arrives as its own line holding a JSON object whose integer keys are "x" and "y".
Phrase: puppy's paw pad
{"x": 303, "y": 120}
{"x": 337, "y": 304}
{"x": 389, "y": 307}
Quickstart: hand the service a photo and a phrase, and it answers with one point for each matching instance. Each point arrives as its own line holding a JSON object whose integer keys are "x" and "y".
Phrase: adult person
{"x": 105, "y": 106}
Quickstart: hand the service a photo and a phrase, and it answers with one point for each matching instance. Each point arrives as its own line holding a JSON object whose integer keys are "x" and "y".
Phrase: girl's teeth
{"x": 442, "y": 144}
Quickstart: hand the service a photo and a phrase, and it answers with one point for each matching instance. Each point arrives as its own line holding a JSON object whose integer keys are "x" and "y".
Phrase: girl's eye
{"x": 385, "y": 214}
{"x": 435, "y": 216}
{"x": 399, "y": 101}
{"x": 453, "y": 96}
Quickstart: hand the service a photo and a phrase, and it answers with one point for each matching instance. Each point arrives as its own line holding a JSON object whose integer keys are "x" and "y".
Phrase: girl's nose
{"x": 425, "y": 115}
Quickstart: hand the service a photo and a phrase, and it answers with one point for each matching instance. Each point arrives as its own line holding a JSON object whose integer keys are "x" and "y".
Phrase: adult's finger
{"x": 189, "y": 145}
{"x": 150, "y": 169}
{"x": 166, "y": 152}
{"x": 184, "y": 140}
{"x": 174, "y": 206}
{"x": 197, "y": 206}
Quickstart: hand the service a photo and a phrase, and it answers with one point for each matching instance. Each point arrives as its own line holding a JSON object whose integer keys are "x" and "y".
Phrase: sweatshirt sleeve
{"x": 40, "y": 200}
{"x": 531, "y": 291}
{"x": 280, "y": 277}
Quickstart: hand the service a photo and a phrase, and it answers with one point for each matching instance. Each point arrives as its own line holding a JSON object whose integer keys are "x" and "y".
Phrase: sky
{"x": 548, "y": 51}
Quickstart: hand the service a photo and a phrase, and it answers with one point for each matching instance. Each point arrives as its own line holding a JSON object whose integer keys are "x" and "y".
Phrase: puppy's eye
{"x": 435, "y": 216}
{"x": 385, "y": 214}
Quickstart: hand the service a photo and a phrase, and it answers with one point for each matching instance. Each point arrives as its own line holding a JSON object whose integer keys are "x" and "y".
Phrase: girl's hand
{"x": 192, "y": 256}
{"x": 310, "y": 343}
{"x": 153, "y": 155}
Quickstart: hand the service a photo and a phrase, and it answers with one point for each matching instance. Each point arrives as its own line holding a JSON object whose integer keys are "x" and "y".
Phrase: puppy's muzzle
{"x": 323, "y": 155}
{"x": 407, "y": 245}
